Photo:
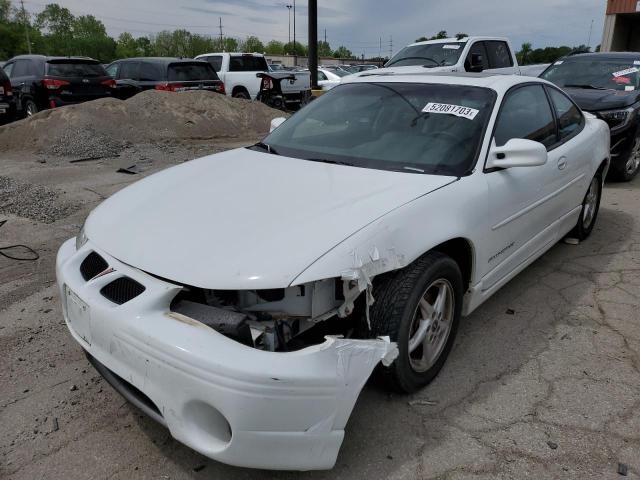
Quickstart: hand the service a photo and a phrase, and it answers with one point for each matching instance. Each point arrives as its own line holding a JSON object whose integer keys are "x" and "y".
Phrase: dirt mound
{"x": 103, "y": 128}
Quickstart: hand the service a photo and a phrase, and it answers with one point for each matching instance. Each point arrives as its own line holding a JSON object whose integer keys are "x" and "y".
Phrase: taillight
{"x": 267, "y": 84}
{"x": 111, "y": 83}
{"x": 220, "y": 88}
{"x": 169, "y": 88}
{"x": 7, "y": 89}
{"x": 53, "y": 84}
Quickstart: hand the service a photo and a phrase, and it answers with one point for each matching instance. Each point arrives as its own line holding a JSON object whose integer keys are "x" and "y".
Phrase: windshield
{"x": 615, "y": 74}
{"x": 75, "y": 69}
{"x": 428, "y": 55}
{"x": 410, "y": 127}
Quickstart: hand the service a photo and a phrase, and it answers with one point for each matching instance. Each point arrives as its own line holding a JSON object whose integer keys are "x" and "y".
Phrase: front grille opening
{"x": 122, "y": 290}
{"x": 92, "y": 266}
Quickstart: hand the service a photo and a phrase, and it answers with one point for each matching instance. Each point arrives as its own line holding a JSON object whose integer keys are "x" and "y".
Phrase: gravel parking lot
{"x": 543, "y": 382}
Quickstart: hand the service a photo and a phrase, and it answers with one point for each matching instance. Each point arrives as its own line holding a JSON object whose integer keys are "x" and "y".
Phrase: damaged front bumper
{"x": 233, "y": 403}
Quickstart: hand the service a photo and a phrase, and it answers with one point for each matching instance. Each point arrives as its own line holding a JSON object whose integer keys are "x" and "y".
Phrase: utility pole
{"x": 590, "y": 30}
{"x": 221, "y": 39}
{"x": 289, "y": 7}
{"x": 390, "y": 47}
{"x": 313, "y": 42}
{"x": 26, "y": 26}
{"x": 380, "y": 51}
{"x": 295, "y": 52}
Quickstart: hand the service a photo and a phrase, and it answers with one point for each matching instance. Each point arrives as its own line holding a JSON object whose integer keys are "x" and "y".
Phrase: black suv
{"x": 608, "y": 86}
{"x": 133, "y": 75}
{"x": 7, "y": 100}
{"x": 41, "y": 82}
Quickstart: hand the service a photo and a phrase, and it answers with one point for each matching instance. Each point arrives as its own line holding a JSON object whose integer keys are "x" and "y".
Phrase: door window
{"x": 526, "y": 114}
{"x": 570, "y": 119}
{"x": 150, "y": 72}
{"x": 215, "y": 61}
{"x": 247, "y": 63}
{"x": 478, "y": 48}
{"x": 499, "y": 54}
{"x": 129, "y": 71}
{"x": 112, "y": 70}
{"x": 8, "y": 69}
{"x": 21, "y": 68}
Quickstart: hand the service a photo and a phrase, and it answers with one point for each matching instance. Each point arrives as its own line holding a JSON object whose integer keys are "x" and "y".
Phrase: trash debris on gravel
{"x": 36, "y": 202}
{"x": 103, "y": 128}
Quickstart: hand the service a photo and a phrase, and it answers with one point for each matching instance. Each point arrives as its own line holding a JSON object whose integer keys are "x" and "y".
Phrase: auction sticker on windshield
{"x": 622, "y": 73}
{"x": 451, "y": 47}
{"x": 457, "y": 110}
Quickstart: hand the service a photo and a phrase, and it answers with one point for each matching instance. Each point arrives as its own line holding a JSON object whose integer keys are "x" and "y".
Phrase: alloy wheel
{"x": 431, "y": 326}
{"x": 590, "y": 203}
{"x": 634, "y": 158}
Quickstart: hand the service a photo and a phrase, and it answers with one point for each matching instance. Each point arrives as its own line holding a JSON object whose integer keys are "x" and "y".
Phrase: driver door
{"x": 522, "y": 201}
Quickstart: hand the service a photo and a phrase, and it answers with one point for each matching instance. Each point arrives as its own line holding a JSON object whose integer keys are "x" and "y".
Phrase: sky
{"x": 360, "y": 25}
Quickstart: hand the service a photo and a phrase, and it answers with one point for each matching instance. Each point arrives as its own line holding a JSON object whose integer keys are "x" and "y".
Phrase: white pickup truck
{"x": 470, "y": 54}
{"x": 238, "y": 73}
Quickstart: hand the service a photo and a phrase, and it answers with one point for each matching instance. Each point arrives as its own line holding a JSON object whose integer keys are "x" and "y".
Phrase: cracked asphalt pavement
{"x": 543, "y": 381}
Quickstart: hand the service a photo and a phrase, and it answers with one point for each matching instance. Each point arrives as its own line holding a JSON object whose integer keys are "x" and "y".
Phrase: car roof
{"x": 604, "y": 56}
{"x": 46, "y": 58}
{"x": 162, "y": 60}
{"x": 497, "y": 82}
{"x": 455, "y": 40}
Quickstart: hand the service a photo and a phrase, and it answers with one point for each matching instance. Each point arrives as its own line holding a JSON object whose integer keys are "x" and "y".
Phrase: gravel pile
{"x": 103, "y": 128}
{"x": 33, "y": 201}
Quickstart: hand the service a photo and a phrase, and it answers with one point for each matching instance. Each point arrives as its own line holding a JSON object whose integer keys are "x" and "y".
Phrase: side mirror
{"x": 517, "y": 152}
{"x": 477, "y": 63}
{"x": 276, "y": 122}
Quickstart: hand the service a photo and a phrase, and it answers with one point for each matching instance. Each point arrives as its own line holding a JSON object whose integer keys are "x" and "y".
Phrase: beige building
{"x": 622, "y": 26}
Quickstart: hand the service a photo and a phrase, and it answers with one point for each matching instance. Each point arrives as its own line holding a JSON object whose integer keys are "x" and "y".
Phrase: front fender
{"x": 395, "y": 240}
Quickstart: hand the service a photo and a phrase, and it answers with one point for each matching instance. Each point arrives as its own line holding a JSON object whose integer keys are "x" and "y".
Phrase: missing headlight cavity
{"x": 281, "y": 319}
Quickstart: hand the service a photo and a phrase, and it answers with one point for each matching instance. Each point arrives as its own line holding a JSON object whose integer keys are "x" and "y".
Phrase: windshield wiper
{"x": 587, "y": 87}
{"x": 266, "y": 147}
{"x": 332, "y": 162}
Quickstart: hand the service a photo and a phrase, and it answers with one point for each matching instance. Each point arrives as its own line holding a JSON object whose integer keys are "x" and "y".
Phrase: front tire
{"x": 418, "y": 307}
{"x": 626, "y": 167}
{"x": 590, "y": 209}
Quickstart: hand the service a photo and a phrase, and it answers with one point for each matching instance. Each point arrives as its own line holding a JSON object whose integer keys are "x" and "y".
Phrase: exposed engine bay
{"x": 274, "y": 320}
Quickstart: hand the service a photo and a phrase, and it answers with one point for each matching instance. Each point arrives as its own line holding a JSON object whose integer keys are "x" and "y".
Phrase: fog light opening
{"x": 208, "y": 425}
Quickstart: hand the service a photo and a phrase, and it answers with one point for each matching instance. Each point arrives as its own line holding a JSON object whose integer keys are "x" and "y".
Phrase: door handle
{"x": 562, "y": 163}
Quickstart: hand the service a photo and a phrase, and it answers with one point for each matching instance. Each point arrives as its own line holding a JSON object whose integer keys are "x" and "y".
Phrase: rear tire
{"x": 590, "y": 209}
{"x": 242, "y": 94}
{"x": 29, "y": 107}
{"x": 626, "y": 167}
{"x": 418, "y": 307}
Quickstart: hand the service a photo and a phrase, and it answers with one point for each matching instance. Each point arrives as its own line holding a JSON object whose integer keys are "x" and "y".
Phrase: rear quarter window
{"x": 191, "y": 72}
{"x": 75, "y": 69}
{"x": 215, "y": 62}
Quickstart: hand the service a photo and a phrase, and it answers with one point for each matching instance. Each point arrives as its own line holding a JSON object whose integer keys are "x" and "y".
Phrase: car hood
{"x": 409, "y": 69}
{"x": 595, "y": 100}
{"x": 244, "y": 219}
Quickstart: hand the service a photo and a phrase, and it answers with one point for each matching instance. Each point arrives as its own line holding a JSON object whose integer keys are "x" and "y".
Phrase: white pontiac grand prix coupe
{"x": 243, "y": 299}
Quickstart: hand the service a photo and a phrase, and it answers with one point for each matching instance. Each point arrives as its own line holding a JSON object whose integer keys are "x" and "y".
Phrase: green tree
{"x": 274, "y": 47}
{"x": 440, "y": 35}
{"x": 324, "y": 49}
{"x": 343, "y": 52}
{"x": 524, "y": 53}
{"x": 127, "y": 46}
{"x": 56, "y": 24}
{"x": 460, "y": 36}
{"x": 295, "y": 49}
{"x": 252, "y": 44}
{"x": 90, "y": 39}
